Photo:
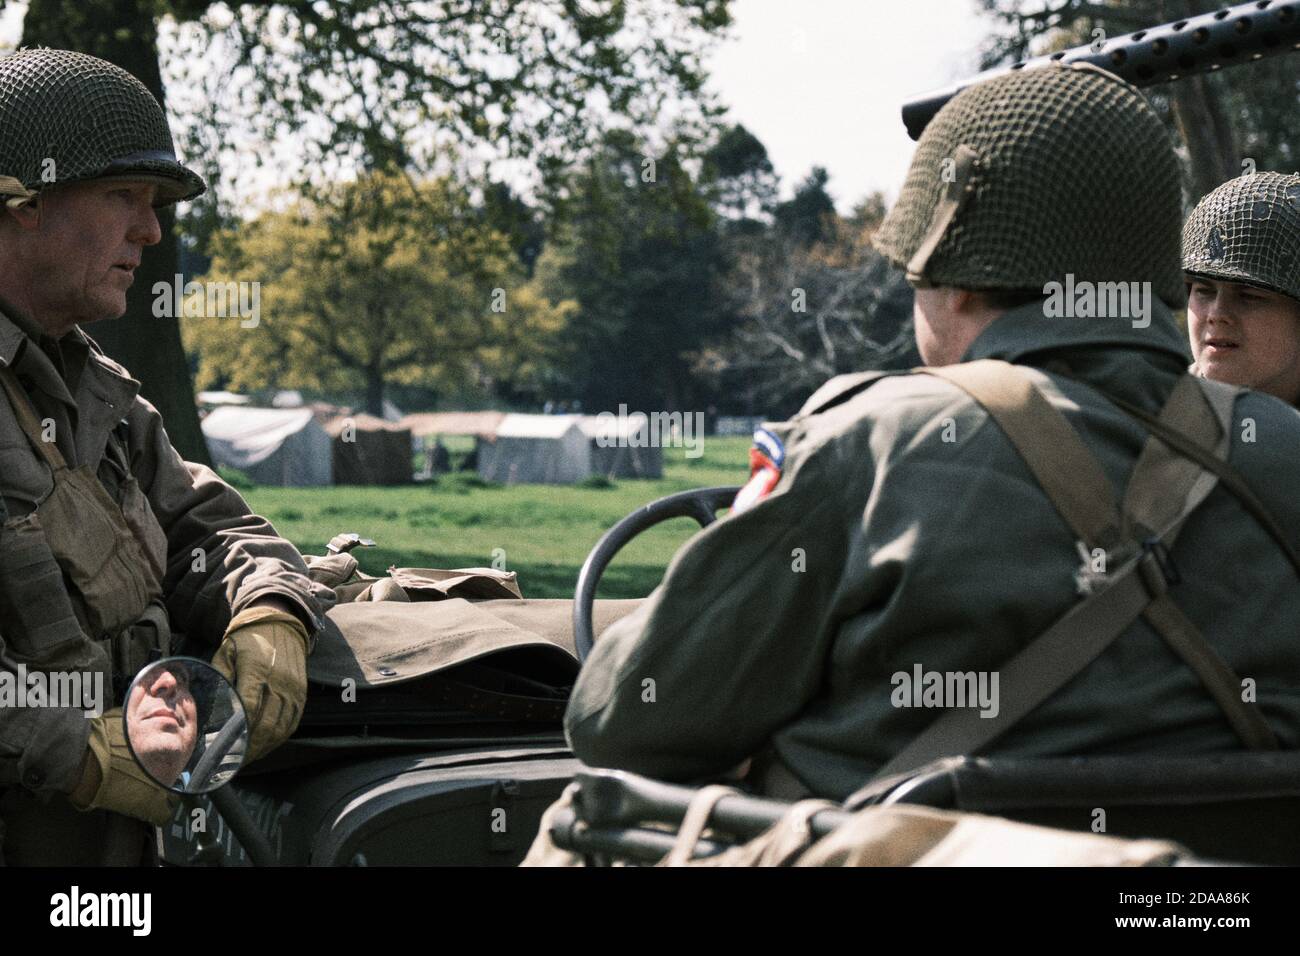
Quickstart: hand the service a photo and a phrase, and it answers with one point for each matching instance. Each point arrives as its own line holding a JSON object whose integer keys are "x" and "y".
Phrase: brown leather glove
{"x": 112, "y": 780}
{"x": 264, "y": 655}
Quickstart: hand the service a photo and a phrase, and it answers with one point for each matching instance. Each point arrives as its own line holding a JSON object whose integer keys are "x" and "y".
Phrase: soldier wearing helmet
{"x": 903, "y": 543}
{"x": 112, "y": 548}
{"x": 1241, "y": 256}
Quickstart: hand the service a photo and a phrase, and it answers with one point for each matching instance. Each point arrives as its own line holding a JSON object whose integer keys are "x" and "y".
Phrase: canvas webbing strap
{"x": 1222, "y": 470}
{"x": 1162, "y": 482}
{"x": 1088, "y": 628}
{"x": 1162, "y": 479}
{"x": 695, "y": 822}
{"x": 1217, "y": 677}
{"x": 1049, "y": 445}
{"x": 12, "y": 187}
{"x": 27, "y": 420}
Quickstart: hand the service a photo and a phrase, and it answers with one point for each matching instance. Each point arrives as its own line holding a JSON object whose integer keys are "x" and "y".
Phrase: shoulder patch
{"x": 770, "y": 445}
{"x": 766, "y": 459}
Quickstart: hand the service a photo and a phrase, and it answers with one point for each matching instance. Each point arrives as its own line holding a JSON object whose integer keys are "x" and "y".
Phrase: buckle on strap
{"x": 1157, "y": 568}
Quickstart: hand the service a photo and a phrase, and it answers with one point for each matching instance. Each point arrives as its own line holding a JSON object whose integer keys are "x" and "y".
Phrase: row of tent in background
{"x": 309, "y": 444}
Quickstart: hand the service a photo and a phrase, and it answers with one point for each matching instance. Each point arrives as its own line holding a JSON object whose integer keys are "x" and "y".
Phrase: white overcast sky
{"x": 821, "y": 82}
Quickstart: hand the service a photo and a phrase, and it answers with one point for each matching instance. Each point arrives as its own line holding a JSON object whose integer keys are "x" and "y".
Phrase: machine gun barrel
{"x": 1203, "y": 44}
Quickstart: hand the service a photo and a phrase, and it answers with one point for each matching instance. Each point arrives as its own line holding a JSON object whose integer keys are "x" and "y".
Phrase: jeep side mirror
{"x": 185, "y": 725}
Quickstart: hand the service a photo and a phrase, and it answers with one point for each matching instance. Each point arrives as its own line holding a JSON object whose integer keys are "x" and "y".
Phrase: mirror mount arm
{"x": 207, "y": 848}
{"x": 252, "y": 839}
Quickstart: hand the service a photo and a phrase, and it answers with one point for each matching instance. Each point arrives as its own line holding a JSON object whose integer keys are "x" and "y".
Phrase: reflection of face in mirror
{"x": 186, "y": 725}
{"x": 162, "y": 721}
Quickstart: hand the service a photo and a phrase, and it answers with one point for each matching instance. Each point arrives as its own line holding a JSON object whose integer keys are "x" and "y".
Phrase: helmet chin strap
{"x": 958, "y": 190}
{"x": 16, "y": 192}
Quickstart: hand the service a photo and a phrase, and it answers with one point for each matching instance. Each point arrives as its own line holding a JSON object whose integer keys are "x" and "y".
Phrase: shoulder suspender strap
{"x": 1041, "y": 668}
{"x": 1049, "y": 445}
{"x": 27, "y": 420}
{"x": 1088, "y": 628}
{"x": 1215, "y": 674}
{"x": 1221, "y": 397}
{"x": 1164, "y": 484}
{"x": 1162, "y": 479}
{"x": 1222, "y": 470}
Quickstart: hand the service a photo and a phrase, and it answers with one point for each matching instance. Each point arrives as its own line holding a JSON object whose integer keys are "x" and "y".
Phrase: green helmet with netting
{"x": 1037, "y": 174}
{"x": 68, "y": 117}
{"x": 1248, "y": 231}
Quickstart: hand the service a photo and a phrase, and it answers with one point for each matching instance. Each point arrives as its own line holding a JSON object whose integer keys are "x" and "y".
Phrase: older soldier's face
{"x": 162, "y": 721}
{"x": 1245, "y": 336}
{"x": 80, "y": 245}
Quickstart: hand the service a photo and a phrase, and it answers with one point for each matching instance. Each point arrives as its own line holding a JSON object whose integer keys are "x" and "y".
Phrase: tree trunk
{"x": 375, "y": 391}
{"x": 1210, "y": 142}
{"x": 1198, "y": 111}
{"x": 124, "y": 32}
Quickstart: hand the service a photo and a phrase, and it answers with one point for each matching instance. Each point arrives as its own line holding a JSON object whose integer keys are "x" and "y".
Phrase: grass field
{"x": 545, "y": 531}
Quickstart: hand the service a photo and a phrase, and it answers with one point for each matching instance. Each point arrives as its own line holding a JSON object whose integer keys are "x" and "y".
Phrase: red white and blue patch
{"x": 766, "y": 459}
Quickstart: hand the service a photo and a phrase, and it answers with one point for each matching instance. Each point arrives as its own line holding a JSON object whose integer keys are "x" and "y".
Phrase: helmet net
{"x": 1075, "y": 174}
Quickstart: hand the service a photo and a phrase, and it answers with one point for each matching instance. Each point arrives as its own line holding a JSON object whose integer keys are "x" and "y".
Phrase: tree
{"x": 809, "y": 312}
{"x": 370, "y": 81}
{"x": 510, "y": 215}
{"x": 807, "y": 218}
{"x": 370, "y": 283}
{"x": 1224, "y": 119}
{"x": 737, "y": 176}
{"x": 639, "y": 250}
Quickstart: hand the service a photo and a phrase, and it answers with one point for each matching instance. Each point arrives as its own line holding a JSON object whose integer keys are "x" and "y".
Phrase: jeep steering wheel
{"x": 702, "y": 504}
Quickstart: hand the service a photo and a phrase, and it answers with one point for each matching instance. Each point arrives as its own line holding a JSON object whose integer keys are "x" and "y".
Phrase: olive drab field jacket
{"x": 110, "y": 541}
{"x": 897, "y": 541}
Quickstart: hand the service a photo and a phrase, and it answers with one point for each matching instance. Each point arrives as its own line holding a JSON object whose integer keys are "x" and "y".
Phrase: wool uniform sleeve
{"x": 732, "y": 645}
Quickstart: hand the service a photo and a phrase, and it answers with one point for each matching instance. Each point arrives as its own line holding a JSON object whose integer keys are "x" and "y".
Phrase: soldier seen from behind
{"x": 899, "y": 579}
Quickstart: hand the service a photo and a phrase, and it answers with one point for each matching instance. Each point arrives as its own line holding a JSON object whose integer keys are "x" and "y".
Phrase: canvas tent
{"x": 620, "y": 446}
{"x": 273, "y": 446}
{"x": 430, "y": 427}
{"x": 369, "y": 451}
{"x": 477, "y": 424}
{"x": 221, "y": 398}
{"x": 536, "y": 449}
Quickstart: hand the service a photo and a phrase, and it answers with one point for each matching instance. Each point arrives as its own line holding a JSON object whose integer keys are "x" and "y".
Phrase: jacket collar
{"x": 104, "y": 392}
{"x": 23, "y": 346}
{"x": 13, "y": 330}
{"x": 1022, "y": 331}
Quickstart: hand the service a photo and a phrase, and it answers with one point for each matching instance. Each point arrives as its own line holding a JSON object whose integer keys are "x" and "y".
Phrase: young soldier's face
{"x": 1243, "y": 335}
{"x": 84, "y": 242}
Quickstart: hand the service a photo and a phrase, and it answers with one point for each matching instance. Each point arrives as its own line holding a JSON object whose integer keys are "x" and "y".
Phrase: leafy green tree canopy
{"x": 373, "y": 282}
